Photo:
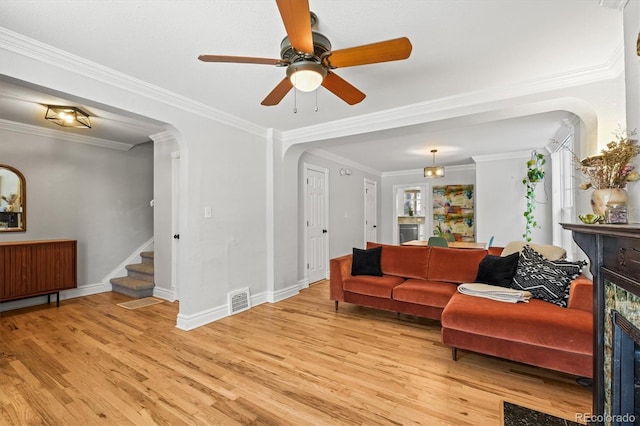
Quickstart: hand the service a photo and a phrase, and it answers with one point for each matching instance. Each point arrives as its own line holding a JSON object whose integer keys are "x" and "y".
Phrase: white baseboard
{"x": 303, "y": 283}
{"x": 163, "y": 293}
{"x": 259, "y": 299}
{"x": 189, "y": 322}
{"x": 285, "y": 293}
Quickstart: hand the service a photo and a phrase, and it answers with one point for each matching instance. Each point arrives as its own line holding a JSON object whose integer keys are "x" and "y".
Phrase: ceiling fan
{"x": 309, "y": 60}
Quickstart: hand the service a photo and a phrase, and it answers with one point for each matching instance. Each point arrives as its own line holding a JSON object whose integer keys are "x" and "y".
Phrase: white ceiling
{"x": 459, "y": 48}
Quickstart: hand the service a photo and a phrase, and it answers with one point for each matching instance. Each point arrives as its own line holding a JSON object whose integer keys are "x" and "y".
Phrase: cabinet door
{"x": 35, "y": 268}
{"x": 14, "y": 271}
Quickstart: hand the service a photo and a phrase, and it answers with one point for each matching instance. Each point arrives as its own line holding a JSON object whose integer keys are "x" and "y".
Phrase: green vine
{"x": 535, "y": 173}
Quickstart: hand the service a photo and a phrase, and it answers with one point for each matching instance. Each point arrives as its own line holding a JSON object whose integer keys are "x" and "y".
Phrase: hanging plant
{"x": 535, "y": 173}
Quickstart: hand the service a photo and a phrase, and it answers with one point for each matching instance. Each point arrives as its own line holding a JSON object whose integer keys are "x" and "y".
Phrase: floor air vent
{"x": 239, "y": 301}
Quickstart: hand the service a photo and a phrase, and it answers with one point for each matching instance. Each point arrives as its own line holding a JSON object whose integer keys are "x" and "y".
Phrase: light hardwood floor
{"x": 295, "y": 362}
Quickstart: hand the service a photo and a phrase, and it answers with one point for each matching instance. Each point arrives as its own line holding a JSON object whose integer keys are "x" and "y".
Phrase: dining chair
{"x": 490, "y": 243}
{"x": 437, "y": 242}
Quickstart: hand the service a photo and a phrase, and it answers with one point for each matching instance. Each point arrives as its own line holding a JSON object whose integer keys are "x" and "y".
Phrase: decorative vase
{"x": 601, "y": 197}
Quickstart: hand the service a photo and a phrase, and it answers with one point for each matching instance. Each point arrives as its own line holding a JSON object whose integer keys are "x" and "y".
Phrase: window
{"x": 412, "y": 202}
{"x": 563, "y": 187}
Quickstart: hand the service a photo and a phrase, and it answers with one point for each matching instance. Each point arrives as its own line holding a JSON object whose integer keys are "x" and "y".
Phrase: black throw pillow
{"x": 498, "y": 270}
{"x": 366, "y": 262}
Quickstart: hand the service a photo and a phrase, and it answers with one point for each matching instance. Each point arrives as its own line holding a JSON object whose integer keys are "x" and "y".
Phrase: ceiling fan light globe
{"x": 306, "y": 76}
{"x": 306, "y": 80}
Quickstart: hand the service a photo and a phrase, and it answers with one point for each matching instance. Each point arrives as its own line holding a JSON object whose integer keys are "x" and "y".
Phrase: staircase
{"x": 139, "y": 280}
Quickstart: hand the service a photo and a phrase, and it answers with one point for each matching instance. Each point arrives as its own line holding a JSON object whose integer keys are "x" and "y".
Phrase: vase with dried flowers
{"x": 609, "y": 172}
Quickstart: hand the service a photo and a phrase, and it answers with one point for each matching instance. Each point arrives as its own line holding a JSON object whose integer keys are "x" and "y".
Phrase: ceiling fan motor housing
{"x": 321, "y": 45}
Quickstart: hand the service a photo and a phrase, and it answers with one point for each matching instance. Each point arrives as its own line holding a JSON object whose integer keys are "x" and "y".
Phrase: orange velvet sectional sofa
{"x": 422, "y": 281}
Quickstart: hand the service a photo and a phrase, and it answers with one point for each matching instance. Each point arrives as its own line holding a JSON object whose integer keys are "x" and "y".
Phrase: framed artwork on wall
{"x": 453, "y": 212}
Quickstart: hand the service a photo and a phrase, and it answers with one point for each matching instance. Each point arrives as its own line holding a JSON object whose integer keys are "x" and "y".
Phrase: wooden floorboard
{"x": 295, "y": 362}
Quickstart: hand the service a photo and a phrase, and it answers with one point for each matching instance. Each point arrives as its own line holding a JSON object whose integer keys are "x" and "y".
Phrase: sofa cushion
{"x": 497, "y": 270}
{"x": 371, "y": 285}
{"x": 366, "y": 262}
{"x": 454, "y": 265}
{"x": 403, "y": 261}
{"x": 548, "y": 251}
{"x": 545, "y": 279}
{"x": 537, "y": 322}
{"x": 421, "y": 292}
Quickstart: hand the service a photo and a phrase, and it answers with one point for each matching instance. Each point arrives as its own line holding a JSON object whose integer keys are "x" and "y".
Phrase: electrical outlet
{"x": 207, "y": 213}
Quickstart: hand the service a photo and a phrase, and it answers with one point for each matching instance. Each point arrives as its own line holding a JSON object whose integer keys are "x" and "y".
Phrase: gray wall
{"x": 98, "y": 196}
{"x": 501, "y": 200}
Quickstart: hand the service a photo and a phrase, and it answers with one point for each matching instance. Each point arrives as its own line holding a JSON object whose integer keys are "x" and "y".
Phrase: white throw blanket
{"x": 494, "y": 292}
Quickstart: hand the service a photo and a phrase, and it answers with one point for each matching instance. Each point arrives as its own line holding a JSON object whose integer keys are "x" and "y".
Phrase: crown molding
{"x": 344, "y": 161}
{"x": 505, "y": 156}
{"x": 12, "y": 126}
{"x": 436, "y": 109}
{"x": 33, "y": 49}
{"x": 165, "y": 136}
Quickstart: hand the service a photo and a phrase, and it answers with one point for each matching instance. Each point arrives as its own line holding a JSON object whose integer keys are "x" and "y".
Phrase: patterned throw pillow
{"x": 545, "y": 279}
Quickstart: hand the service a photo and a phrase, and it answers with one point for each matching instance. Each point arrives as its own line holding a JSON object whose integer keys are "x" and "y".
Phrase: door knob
{"x": 324, "y": 231}
{"x": 176, "y": 236}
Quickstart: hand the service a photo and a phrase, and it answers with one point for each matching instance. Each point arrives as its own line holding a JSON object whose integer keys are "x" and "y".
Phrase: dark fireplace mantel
{"x": 614, "y": 254}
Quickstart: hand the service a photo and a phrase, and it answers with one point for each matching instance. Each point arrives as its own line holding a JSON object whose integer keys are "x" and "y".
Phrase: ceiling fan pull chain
{"x": 316, "y": 109}
{"x": 295, "y": 101}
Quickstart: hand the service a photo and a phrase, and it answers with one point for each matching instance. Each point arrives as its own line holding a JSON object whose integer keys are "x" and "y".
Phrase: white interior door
{"x": 316, "y": 230}
{"x": 370, "y": 211}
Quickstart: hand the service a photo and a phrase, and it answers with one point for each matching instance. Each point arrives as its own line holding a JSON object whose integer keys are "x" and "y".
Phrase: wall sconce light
{"x": 434, "y": 171}
{"x": 68, "y": 116}
{"x": 345, "y": 172}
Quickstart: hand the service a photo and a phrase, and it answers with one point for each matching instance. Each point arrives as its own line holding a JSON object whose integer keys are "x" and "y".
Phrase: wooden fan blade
{"x": 345, "y": 91}
{"x": 241, "y": 60}
{"x": 278, "y": 93}
{"x": 296, "y": 17}
{"x": 383, "y": 51}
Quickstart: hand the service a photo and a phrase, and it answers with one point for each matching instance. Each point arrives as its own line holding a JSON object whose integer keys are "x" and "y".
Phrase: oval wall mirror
{"x": 13, "y": 200}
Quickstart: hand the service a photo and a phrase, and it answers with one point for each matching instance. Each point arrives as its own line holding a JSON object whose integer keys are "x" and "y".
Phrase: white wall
{"x": 98, "y": 196}
{"x": 501, "y": 199}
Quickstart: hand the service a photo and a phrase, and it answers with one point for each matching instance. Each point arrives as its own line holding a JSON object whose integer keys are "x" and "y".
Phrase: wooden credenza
{"x": 36, "y": 268}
